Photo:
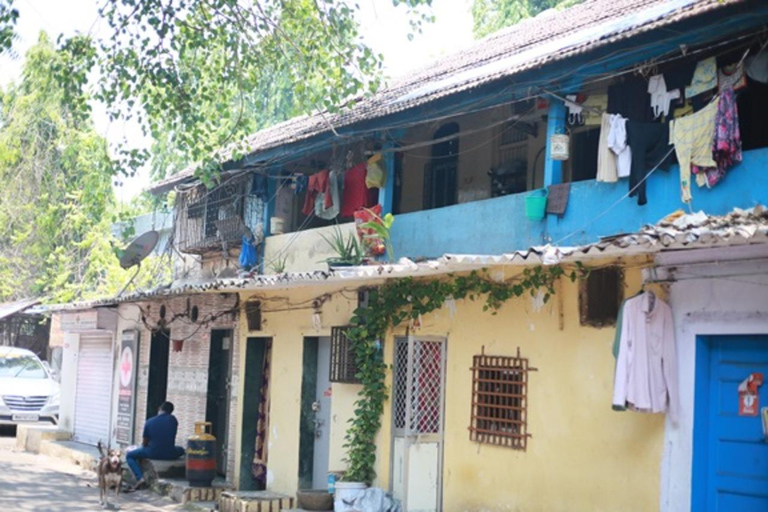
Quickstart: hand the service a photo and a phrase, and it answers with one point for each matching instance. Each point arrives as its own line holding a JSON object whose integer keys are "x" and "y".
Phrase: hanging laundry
{"x": 660, "y": 96}
{"x": 628, "y": 99}
{"x": 318, "y": 183}
{"x": 377, "y": 172}
{"x": 300, "y": 183}
{"x": 617, "y": 142}
{"x": 731, "y": 76}
{"x": 356, "y": 194}
{"x": 322, "y": 208}
{"x": 685, "y": 110}
{"x": 606, "y": 159}
{"x": 704, "y": 78}
{"x": 575, "y": 111}
{"x": 649, "y": 143}
{"x": 646, "y": 366}
{"x": 726, "y": 145}
{"x": 593, "y": 108}
{"x": 692, "y": 137}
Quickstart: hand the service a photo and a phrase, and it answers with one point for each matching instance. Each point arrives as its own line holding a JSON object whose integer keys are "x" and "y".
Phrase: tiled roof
{"x": 551, "y": 36}
{"x": 677, "y": 231}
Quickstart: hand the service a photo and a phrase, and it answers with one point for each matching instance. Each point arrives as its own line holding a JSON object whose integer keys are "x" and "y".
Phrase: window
{"x": 253, "y": 315}
{"x": 510, "y": 176}
{"x": 499, "y": 400}
{"x": 343, "y": 362}
{"x": 600, "y": 296}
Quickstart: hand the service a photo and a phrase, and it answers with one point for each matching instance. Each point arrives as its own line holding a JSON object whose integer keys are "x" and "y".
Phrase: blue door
{"x": 730, "y": 461}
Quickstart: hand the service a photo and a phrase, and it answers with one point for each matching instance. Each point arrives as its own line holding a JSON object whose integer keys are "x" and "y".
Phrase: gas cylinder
{"x": 201, "y": 455}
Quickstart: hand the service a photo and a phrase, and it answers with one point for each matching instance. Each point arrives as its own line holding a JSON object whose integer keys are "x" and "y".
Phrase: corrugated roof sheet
{"x": 11, "y": 308}
{"x": 678, "y": 231}
{"x": 551, "y": 36}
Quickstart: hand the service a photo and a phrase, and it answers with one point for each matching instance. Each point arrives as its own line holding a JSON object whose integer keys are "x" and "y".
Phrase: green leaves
{"x": 492, "y": 15}
{"x": 8, "y": 18}
{"x": 58, "y": 204}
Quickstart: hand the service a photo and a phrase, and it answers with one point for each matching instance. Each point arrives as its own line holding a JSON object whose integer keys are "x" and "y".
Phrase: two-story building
{"x": 609, "y": 109}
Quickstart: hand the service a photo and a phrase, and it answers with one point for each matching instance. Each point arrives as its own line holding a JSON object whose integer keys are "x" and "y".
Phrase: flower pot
{"x": 346, "y": 493}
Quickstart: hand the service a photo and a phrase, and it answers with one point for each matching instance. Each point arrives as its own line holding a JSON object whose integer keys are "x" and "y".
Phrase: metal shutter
{"x": 94, "y": 389}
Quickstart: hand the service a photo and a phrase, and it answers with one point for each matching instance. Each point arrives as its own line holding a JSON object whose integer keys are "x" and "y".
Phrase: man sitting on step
{"x": 159, "y": 442}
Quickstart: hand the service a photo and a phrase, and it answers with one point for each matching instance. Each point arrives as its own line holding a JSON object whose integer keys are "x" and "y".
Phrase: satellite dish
{"x": 141, "y": 247}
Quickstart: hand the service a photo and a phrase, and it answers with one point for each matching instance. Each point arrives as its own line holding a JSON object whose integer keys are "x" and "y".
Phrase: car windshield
{"x": 23, "y": 367}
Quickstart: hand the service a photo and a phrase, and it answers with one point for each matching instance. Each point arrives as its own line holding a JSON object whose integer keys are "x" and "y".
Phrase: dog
{"x": 110, "y": 473}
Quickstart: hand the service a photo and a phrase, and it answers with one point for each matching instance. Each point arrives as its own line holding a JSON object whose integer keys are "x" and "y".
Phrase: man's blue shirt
{"x": 161, "y": 432}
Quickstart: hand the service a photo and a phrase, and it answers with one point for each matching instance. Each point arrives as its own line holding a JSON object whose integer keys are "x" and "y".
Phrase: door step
{"x": 181, "y": 492}
{"x": 254, "y": 501}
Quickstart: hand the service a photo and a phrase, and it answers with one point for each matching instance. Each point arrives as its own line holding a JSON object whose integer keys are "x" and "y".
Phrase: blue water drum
{"x": 201, "y": 455}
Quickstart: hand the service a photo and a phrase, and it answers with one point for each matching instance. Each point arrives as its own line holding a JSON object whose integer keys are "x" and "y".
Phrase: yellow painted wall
{"x": 288, "y": 329}
{"x": 582, "y": 456}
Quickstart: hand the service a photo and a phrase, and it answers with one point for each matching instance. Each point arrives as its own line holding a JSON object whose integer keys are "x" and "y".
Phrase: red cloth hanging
{"x": 319, "y": 183}
{"x": 356, "y": 194}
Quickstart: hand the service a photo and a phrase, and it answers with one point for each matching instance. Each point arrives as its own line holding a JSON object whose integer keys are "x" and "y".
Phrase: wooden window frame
{"x": 584, "y": 314}
{"x": 500, "y": 400}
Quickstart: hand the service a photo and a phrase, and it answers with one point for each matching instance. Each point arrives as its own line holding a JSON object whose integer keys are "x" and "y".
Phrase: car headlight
{"x": 54, "y": 399}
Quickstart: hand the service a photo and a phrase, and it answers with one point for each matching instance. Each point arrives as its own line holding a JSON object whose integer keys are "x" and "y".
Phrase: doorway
{"x": 255, "y": 414}
{"x": 217, "y": 407}
{"x": 157, "y": 385}
{"x": 314, "y": 431}
{"x": 418, "y": 398}
{"x": 730, "y": 452}
{"x": 441, "y": 173}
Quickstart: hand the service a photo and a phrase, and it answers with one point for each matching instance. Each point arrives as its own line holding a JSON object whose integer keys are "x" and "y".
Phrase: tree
{"x": 8, "y": 17}
{"x": 191, "y": 71}
{"x": 492, "y": 15}
{"x": 57, "y": 205}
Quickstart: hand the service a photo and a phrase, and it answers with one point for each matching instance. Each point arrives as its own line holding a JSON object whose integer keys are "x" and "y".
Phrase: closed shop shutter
{"x": 94, "y": 389}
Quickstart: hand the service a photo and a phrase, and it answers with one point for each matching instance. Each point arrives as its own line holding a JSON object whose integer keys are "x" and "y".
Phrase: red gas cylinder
{"x": 201, "y": 455}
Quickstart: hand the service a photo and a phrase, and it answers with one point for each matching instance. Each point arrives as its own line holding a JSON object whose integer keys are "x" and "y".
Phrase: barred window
{"x": 500, "y": 401}
{"x": 343, "y": 362}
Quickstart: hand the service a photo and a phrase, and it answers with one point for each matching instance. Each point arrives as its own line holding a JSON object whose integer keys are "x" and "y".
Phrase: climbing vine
{"x": 406, "y": 300}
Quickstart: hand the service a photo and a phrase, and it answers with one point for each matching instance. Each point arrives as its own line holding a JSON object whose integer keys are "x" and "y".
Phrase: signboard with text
{"x": 127, "y": 370}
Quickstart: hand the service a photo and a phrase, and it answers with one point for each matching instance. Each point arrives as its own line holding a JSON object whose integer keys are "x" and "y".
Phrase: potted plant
{"x": 349, "y": 251}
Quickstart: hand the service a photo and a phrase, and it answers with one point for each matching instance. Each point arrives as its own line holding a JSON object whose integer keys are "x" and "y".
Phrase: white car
{"x": 28, "y": 391}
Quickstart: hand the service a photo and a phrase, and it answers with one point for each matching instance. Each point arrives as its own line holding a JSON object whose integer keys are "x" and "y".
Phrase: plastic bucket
{"x": 536, "y": 204}
{"x": 346, "y": 492}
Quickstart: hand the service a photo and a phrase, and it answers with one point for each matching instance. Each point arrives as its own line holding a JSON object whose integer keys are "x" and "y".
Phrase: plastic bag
{"x": 374, "y": 246}
{"x": 248, "y": 256}
{"x": 376, "y": 177}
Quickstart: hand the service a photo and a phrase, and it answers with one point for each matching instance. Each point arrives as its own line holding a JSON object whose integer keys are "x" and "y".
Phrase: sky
{"x": 384, "y": 27}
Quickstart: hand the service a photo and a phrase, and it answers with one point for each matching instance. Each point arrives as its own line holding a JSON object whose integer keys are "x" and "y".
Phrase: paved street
{"x": 39, "y": 483}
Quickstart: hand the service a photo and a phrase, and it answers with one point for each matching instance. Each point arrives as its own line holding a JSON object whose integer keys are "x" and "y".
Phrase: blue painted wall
{"x": 496, "y": 226}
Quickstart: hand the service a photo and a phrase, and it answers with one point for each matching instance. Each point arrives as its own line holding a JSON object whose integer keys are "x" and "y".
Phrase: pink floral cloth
{"x": 726, "y": 145}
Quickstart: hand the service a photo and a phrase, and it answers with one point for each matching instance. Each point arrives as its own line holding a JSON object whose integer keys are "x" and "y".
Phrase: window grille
{"x": 217, "y": 219}
{"x": 343, "y": 362}
{"x": 510, "y": 176}
{"x": 418, "y": 405}
{"x": 500, "y": 400}
{"x": 600, "y": 296}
